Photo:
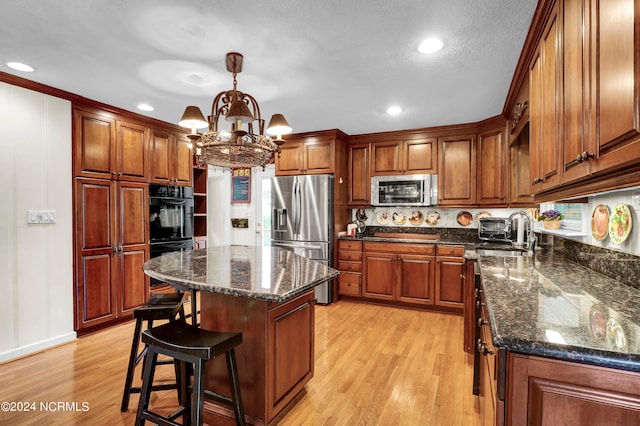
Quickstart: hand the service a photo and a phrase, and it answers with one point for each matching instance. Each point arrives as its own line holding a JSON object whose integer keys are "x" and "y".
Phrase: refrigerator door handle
{"x": 298, "y": 245}
{"x": 295, "y": 203}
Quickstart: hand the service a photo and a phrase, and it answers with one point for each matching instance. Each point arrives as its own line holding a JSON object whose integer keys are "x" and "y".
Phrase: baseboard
{"x": 36, "y": 347}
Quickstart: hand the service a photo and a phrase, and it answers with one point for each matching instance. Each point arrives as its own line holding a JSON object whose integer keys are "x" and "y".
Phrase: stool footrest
{"x": 154, "y": 388}
{"x": 157, "y": 419}
{"x": 217, "y": 397}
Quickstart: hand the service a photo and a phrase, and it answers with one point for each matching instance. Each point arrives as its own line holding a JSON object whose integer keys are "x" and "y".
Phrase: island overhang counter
{"x": 267, "y": 293}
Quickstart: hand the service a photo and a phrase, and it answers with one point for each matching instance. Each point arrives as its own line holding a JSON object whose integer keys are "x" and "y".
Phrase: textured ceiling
{"x": 323, "y": 64}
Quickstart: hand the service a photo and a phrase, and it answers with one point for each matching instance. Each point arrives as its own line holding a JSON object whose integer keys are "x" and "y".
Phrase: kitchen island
{"x": 267, "y": 293}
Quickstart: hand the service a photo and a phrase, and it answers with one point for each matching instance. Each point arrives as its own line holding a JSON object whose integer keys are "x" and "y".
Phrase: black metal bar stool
{"x": 160, "y": 306}
{"x": 190, "y": 344}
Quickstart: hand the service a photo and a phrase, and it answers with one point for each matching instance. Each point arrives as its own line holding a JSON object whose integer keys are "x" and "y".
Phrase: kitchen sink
{"x": 499, "y": 252}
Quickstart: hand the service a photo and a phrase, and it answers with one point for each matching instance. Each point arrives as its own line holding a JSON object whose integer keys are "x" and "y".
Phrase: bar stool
{"x": 193, "y": 345}
{"x": 160, "y": 306}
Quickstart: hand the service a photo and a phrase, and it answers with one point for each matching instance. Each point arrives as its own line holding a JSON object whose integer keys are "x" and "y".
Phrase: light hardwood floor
{"x": 375, "y": 365}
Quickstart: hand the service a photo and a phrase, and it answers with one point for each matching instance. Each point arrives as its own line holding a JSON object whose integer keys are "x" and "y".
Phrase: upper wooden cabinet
{"x": 492, "y": 178}
{"x": 585, "y": 97}
{"x": 359, "y": 175}
{"x": 403, "y": 157}
{"x": 544, "y": 77}
{"x": 300, "y": 157}
{"x": 457, "y": 170}
{"x": 107, "y": 148}
{"x": 171, "y": 158}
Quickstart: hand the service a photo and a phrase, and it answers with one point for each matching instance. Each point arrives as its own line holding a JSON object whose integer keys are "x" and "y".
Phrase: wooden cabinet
{"x": 305, "y": 157}
{"x": 490, "y": 403}
{"x": 171, "y": 158}
{"x": 544, "y": 84}
{"x": 111, "y": 246}
{"x": 399, "y": 272}
{"x": 200, "y": 178}
{"x": 492, "y": 179}
{"x": 403, "y": 157}
{"x": 449, "y": 276}
{"x": 107, "y": 148}
{"x": 551, "y": 392}
{"x": 359, "y": 175}
{"x": 275, "y": 359}
{"x": 457, "y": 170}
{"x": 519, "y": 166}
{"x": 469, "y": 299}
{"x": 350, "y": 267}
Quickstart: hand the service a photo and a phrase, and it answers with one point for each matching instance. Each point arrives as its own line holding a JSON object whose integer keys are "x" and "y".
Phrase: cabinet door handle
{"x": 482, "y": 348}
{"x": 481, "y": 322}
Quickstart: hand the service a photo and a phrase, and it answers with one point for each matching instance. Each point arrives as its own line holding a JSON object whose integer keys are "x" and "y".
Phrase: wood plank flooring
{"x": 375, "y": 365}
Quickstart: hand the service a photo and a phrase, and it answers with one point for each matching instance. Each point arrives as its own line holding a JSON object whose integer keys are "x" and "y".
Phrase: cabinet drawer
{"x": 349, "y": 245}
{"x": 350, "y": 266}
{"x": 349, "y": 284}
{"x": 350, "y": 256}
{"x": 400, "y": 248}
{"x": 457, "y": 251}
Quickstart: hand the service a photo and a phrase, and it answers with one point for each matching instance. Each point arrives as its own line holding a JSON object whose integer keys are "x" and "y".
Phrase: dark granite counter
{"x": 548, "y": 306}
{"x": 266, "y": 273}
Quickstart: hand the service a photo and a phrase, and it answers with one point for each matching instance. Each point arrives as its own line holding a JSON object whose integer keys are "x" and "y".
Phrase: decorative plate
{"x": 600, "y": 222}
{"x": 465, "y": 218}
{"x": 383, "y": 217}
{"x": 481, "y": 215}
{"x": 433, "y": 217}
{"x": 598, "y": 322}
{"x": 620, "y": 224}
{"x": 616, "y": 336}
{"x": 416, "y": 217}
{"x": 399, "y": 218}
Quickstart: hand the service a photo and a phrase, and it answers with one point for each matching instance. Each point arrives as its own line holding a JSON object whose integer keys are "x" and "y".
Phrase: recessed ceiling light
{"x": 430, "y": 45}
{"x": 394, "y": 110}
{"x": 145, "y": 107}
{"x": 18, "y": 66}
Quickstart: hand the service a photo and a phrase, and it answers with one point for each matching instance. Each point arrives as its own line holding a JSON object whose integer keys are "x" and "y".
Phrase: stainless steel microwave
{"x": 405, "y": 190}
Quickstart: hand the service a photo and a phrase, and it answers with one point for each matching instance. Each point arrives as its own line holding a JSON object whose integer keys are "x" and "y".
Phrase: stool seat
{"x": 192, "y": 341}
{"x": 159, "y": 306}
{"x": 191, "y": 346}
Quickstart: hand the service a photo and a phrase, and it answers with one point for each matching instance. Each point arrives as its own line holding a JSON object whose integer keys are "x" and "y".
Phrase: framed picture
{"x": 241, "y": 185}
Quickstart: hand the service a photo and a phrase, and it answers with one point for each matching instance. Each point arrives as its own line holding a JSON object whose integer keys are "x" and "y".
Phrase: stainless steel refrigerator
{"x": 302, "y": 220}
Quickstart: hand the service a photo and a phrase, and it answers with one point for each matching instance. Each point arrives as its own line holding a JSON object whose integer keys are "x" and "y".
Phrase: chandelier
{"x": 237, "y": 146}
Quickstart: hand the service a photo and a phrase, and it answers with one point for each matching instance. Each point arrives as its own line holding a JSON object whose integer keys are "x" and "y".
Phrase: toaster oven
{"x": 495, "y": 229}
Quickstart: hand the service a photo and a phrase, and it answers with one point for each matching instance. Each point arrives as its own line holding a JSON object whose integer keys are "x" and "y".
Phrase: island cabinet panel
{"x": 111, "y": 246}
{"x": 276, "y": 357}
{"x": 549, "y": 392}
{"x": 457, "y": 170}
{"x": 170, "y": 158}
{"x": 359, "y": 175}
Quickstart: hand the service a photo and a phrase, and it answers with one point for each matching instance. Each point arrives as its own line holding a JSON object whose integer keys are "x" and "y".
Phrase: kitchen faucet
{"x": 531, "y": 236}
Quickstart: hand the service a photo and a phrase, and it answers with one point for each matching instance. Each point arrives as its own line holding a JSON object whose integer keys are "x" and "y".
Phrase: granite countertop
{"x": 266, "y": 273}
{"x": 548, "y": 306}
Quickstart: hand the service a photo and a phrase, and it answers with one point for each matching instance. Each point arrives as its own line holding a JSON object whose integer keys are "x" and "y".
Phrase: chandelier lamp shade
{"x": 245, "y": 143}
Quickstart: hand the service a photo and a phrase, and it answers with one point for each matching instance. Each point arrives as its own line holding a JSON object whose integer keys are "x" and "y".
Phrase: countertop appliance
{"x": 495, "y": 229}
{"x": 302, "y": 220}
{"x": 170, "y": 220}
{"x": 405, "y": 190}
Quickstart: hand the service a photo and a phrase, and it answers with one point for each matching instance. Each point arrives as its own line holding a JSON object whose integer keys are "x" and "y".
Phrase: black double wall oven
{"x": 170, "y": 220}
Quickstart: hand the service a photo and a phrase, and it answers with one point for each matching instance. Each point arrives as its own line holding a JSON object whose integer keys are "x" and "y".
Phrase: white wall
{"x": 36, "y": 260}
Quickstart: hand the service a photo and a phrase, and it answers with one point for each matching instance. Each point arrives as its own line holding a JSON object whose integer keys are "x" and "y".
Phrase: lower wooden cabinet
{"x": 111, "y": 245}
{"x": 449, "y": 276}
{"x": 276, "y": 357}
{"x": 399, "y": 272}
{"x": 350, "y": 267}
{"x": 542, "y": 391}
